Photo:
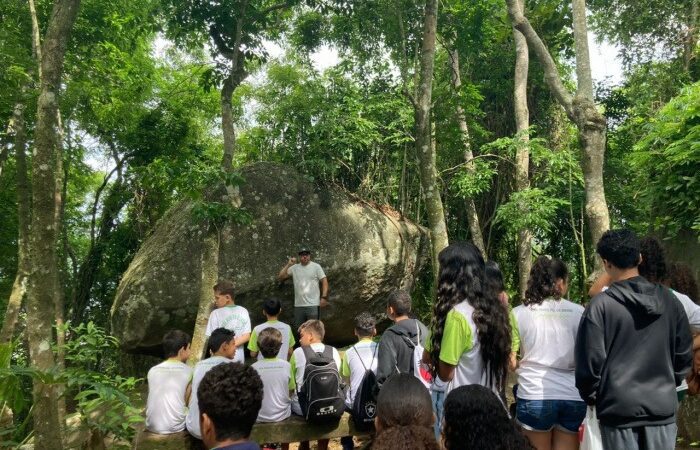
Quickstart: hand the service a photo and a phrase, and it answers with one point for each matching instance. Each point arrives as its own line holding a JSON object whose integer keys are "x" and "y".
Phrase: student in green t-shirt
{"x": 471, "y": 331}
{"x": 272, "y": 307}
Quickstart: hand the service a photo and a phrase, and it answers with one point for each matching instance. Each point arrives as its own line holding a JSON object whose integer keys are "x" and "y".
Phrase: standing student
{"x": 222, "y": 348}
{"x": 166, "y": 406}
{"x": 395, "y": 352}
{"x": 549, "y": 407}
{"x": 311, "y": 335}
{"x": 272, "y": 307}
{"x": 357, "y": 360}
{"x": 230, "y": 396}
{"x": 633, "y": 348}
{"x": 230, "y": 316}
{"x": 471, "y": 333}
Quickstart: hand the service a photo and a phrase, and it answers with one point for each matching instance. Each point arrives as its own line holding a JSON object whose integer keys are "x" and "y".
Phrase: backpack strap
{"x": 309, "y": 352}
{"x": 374, "y": 353}
{"x": 327, "y": 351}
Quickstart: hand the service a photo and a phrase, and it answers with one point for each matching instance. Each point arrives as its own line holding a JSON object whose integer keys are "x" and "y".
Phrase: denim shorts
{"x": 545, "y": 415}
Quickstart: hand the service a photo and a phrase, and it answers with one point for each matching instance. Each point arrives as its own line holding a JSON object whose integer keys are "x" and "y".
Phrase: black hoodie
{"x": 633, "y": 348}
{"x": 395, "y": 351}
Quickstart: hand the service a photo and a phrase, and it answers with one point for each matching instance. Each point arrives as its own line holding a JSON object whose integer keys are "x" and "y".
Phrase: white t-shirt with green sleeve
{"x": 460, "y": 346}
{"x": 288, "y": 340}
{"x": 306, "y": 283}
{"x": 356, "y": 361}
{"x": 165, "y": 407}
{"x": 276, "y": 375}
{"x": 231, "y": 317}
{"x": 200, "y": 370}
{"x": 548, "y": 333}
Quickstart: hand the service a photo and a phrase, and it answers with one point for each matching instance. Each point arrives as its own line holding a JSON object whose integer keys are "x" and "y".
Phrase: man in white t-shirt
{"x": 276, "y": 375}
{"x": 168, "y": 384}
{"x": 230, "y": 316}
{"x": 307, "y": 276}
{"x": 222, "y": 345}
{"x": 356, "y": 361}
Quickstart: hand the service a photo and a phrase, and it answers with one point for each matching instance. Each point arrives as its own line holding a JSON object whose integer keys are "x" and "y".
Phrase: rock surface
{"x": 366, "y": 252}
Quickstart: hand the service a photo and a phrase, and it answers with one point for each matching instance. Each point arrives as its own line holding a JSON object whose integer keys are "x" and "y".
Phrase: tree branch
{"x": 276, "y": 7}
{"x": 551, "y": 72}
{"x": 220, "y": 44}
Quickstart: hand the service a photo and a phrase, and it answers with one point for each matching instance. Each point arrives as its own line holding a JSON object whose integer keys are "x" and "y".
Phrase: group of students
{"x": 422, "y": 387}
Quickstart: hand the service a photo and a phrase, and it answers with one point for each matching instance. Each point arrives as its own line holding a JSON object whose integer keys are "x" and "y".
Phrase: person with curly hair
{"x": 230, "y": 396}
{"x": 681, "y": 279}
{"x": 475, "y": 420}
{"x": 471, "y": 332}
{"x": 404, "y": 412}
{"x": 633, "y": 347}
{"x": 549, "y": 407}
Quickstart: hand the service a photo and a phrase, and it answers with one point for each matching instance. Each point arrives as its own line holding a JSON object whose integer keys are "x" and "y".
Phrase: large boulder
{"x": 365, "y": 250}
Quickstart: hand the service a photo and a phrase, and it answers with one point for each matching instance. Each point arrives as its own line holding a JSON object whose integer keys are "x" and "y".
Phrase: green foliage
{"x": 667, "y": 160}
{"x": 472, "y": 183}
{"x": 531, "y": 209}
{"x": 101, "y": 395}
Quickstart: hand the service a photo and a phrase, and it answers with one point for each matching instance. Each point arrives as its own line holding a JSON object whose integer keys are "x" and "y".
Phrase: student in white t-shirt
{"x": 230, "y": 316}
{"x": 168, "y": 384}
{"x": 311, "y": 334}
{"x": 276, "y": 375}
{"x": 222, "y": 348}
{"x": 272, "y": 307}
{"x": 549, "y": 406}
{"x": 357, "y": 360}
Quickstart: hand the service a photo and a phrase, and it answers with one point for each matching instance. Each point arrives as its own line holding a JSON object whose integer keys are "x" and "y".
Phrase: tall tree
{"x": 472, "y": 213}
{"x": 19, "y": 286}
{"x": 580, "y": 108}
{"x": 43, "y": 239}
{"x": 522, "y": 154}
{"x": 424, "y": 149}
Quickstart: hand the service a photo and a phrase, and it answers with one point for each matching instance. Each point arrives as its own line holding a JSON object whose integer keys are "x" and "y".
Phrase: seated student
{"x": 311, "y": 334}
{"x": 405, "y": 413}
{"x": 168, "y": 383}
{"x": 230, "y": 396}
{"x": 222, "y": 348}
{"x": 272, "y": 308}
{"x": 357, "y": 360}
{"x": 475, "y": 419}
{"x": 276, "y": 374}
{"x": 229, "y": 315}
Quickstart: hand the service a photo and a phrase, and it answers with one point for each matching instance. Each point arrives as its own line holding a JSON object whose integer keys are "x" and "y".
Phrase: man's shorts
{"x": 545, "y": 415}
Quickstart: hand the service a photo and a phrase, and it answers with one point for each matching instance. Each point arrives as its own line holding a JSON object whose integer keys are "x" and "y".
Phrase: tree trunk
{"x": 580, "y": 110}
{"x": 522, "y": 154}
{"x": 210, "y": 273}
{"x": 40, "y": 298}
{"x": 426, "y": 155}
{"x": 690, "y": 40}
{"x": 227, "y": 124}
{"x": 4, "y": 152}
{"x": 19, "y": 287}
{"x": 115, "y": 201}
{"x": 472, "y": 214}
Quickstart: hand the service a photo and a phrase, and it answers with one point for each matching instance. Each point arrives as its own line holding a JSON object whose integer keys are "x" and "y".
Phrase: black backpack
{"x": 364, "y": 406}
{"x": 321, "y": 395}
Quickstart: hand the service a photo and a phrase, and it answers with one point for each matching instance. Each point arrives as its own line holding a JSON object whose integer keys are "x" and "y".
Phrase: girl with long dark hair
{"x": 549, "y": 407}
{"x": 471, "y": 333}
